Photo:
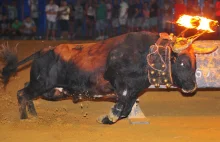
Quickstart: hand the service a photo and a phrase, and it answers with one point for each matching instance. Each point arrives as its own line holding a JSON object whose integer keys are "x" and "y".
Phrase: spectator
{"x": 71, "y": 22}
{"x": 138, "y": 15}
{"x": 167, "y": 16}
{"x": 51, "y": 13}
{"x": 64, "y": 15}
{"x": 146, "y": 14}
{"x": 101, "y": 14}
{"x": 34, "y": 10}
{"x": 131, "y": 16}
{"x": 16, "y": 28}
{"x": 78, "y": 15}
{"x": 208, "y": 9}
{"x": 193, "y": 8}
{"x": 153, "y": 15}
{"x": 12, "y": 11}
{"x": 123, "y": 15}
{"x": 109, "y": 17}
{"x": 5, "y": 27}
{"x": 4, "y": 8}
{"x": 115, "y": 16}
{"x": 90, "y": 18}
{"x": 29, "y": 28}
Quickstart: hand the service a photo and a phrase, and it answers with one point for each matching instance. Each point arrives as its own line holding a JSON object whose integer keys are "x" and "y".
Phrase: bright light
{"x": 196, "y": 22}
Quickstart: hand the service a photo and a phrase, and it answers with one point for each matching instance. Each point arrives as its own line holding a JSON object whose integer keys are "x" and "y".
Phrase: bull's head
{"x": 184, "y": 61}
{"x": 184, "y": 67}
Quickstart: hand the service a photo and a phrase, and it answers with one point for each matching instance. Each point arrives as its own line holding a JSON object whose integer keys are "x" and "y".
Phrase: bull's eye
{"x": 182, "y": 64}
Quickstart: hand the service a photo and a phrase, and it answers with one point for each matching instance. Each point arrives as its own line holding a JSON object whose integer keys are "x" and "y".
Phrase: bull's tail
{"x": 9, "y": 56}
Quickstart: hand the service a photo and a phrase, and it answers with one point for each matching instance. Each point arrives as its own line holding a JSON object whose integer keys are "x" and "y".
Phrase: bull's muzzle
{"x": 190, "y": 91}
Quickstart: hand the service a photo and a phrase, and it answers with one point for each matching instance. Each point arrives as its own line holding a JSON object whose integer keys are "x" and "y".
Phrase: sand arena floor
{"x": 172, "y": 117}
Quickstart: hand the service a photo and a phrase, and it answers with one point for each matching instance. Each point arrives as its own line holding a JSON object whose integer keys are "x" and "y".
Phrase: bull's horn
{"x": 204, "y": 47}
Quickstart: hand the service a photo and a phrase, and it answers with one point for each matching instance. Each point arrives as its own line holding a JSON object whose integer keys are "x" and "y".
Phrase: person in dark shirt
{"x": 138, "y": 15}
{"x": 16, "y": 28}
{"x": 115, "y": 15}
{"x": 153, "y": 15}
{"x": 5, "y": 26}
{"x": 131, "y": 16}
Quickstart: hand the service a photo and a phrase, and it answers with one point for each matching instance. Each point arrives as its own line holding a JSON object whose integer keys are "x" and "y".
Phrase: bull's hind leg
{"x": 30, "y": 104}
{"x": 24, "y": 100}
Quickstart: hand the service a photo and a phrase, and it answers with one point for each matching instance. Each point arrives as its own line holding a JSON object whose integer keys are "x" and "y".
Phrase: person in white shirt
{"x": 123, "y": 15}
{"x": 34, "y": 10}
{"x": 64, "y": 15}
{"x": 51, "y": 13}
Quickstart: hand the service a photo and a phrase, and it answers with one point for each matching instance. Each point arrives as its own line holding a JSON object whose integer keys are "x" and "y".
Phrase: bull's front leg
{"x": 122, "y": 108}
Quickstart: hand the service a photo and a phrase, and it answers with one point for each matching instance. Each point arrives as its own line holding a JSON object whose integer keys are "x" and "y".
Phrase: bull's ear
{"x": 202, "y": 48}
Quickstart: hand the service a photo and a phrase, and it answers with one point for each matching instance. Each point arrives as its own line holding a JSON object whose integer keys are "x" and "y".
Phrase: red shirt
{"x": 180, "y": 9}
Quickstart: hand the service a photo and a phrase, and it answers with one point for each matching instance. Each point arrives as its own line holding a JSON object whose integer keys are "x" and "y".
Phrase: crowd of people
{"x": 101, "y": 18}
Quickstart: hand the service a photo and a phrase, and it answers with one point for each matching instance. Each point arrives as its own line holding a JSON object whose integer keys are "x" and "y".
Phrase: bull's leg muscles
{"x": 22, "y": 101}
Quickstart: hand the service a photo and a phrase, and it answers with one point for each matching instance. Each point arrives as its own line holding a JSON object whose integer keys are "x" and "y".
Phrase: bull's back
{"x": 90, "y": 56}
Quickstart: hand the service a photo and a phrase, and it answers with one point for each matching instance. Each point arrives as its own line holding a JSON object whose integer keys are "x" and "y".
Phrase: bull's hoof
{"x": 23, "y": 116}
{"x": 104, "y": 120}
{"x": 33, "y": 113}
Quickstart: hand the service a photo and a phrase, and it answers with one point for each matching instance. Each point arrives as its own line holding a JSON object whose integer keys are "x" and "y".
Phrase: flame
{"x": 197, "y": 22}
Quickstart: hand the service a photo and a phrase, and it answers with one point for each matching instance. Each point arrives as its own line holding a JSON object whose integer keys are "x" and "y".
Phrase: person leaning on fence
{"x": 51, "y": 13}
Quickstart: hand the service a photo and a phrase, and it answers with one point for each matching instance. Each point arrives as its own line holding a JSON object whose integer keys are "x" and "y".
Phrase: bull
{"x": 115, "y": 66}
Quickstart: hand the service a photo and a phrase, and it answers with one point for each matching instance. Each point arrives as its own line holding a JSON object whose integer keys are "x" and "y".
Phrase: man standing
{"x": 51, "y": 13}
{"x": 123, "y": 15}
{"x": 79, "y": 16}
{"x": 12, "y": 12}
{"x": 101, "y": 14}
{"x": 34, "y": 10}
{"x": 64, "y": 12}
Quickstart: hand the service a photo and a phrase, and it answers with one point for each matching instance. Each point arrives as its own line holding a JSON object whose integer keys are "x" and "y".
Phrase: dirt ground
{"x": 172, "y": 117}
